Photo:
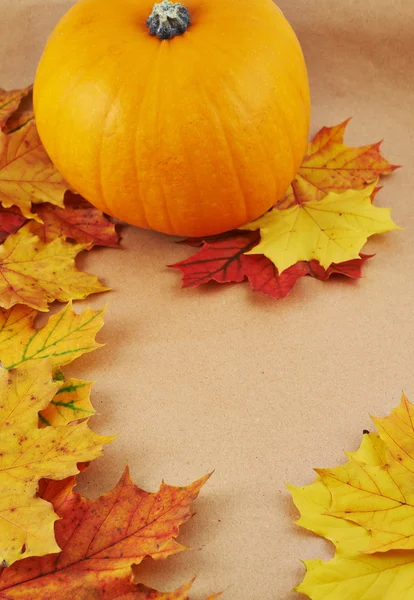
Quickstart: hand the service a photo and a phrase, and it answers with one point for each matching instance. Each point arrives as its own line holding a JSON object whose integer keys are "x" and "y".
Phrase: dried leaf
{"x": 27, "y": 174}
{"x": 35, "y": 273}
{"x": 330, "y": 166}
{"x": 22, "y": 115}
{"x": 330, "y": 230}
{"x": 101, "y": 540}
{"x": 11, "y": 219}
{"x": 28, "y": 454}
{"x": 65, "y": 336}
{"x": 9, "y": 102}
{"x": 146, "y": 593}
{"x": 78, "y": 220}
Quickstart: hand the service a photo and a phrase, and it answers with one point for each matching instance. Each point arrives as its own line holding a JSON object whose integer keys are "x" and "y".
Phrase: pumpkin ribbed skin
{"x": 194, "y": 135}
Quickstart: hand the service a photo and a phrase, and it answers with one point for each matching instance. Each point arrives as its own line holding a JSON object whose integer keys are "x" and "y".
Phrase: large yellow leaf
{"x": 27, "y": 175}
{"x": 331, "y": 166}
{"x": 380, "y": 497}
{"x": 377, "y": 577}
{"x": 28, "y": 454}
{"x": 330, "y": 230}
{"x": 314, "y": 503}
{"x": 65, "y": 336}
{"x": 34, "y": 273}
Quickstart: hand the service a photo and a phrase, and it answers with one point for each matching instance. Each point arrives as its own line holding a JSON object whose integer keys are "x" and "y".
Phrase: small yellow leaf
{"x": 65, "y": 336}
{"x": 27, "y": 175}
{"x": 387, "y": 576}
{"x": 35, "y": 273}
{"x": 28, "y": 454}
{"x": 71, "y": 403}
{"x": 330, "y": 230}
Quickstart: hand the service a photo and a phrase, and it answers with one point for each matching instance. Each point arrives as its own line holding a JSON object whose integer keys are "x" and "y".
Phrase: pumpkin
{"x": 186, "y": 119}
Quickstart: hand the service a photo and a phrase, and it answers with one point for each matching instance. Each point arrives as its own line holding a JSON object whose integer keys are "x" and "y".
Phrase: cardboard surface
{"x": 221, "y": 378}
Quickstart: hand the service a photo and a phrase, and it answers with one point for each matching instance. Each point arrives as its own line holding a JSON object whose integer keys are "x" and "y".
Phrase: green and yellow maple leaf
{"x": 27, "y": 175}
{"x": 28, "y": 454}
{"x": 71, "y": 403}
{"x": 331, "y": 230}
{"x": 65, "y": 336}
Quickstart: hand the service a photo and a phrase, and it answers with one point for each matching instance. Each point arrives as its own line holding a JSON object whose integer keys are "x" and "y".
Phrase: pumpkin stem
{"x": 168, "y": 19}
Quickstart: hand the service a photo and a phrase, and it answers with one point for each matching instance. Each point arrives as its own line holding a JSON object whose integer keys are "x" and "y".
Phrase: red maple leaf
{"x": 223, "y": 259}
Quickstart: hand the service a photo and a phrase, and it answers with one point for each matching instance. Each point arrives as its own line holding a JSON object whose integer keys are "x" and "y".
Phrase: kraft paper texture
{"x": 221, "y": 378}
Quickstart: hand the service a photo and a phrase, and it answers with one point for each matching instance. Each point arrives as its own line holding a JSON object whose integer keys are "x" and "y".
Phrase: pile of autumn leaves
{"x": 54, "y": 543}
{"x": 317, "y": 228}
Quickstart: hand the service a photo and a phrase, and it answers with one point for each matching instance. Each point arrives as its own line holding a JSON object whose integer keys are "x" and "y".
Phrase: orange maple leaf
{"x": 78, "y": 220}
{"x": 100, "y": 540}
{"x": 331, "y": 166}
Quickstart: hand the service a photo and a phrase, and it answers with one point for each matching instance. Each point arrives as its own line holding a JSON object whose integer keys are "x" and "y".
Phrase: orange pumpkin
{"x": 189, "y": 120}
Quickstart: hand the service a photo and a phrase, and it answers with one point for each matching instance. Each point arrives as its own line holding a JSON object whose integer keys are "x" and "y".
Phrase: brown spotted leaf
{"x": 28, "y": 454}
{"x": 27, "y": 174}
{"x": 9, "y": 103}
{"x": 78, "y": 220}
{"x": 35, "y": 273}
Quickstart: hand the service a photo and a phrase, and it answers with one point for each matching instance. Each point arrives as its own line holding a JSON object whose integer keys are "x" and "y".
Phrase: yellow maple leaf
{"x": 28, "y": 454}
{"x": 71, "y": 403}
{"x": 330, "y": 230}
{"x": 65, "y": 336}
{"x": 331, "y": 166}
{"x": 314, "y": 503}
{"x": 27, "y": 175}
{"x": 35, "y": 273}
{"x": 380, "y": 497}
{"x": 376, "y": 577}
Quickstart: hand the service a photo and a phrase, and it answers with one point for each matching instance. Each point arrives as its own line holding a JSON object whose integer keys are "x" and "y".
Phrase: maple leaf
{"x": 78, "y": 220}
{"x": 314, "y": 503}
{"x": 28, "y": 454}
{"x": 146, "y": 593}
{"x": 101, "y": 540}
{"x": 11, "y": 219}
{"x": 219, "y": 260}
{"x": 222, "y": 259}
{"x": 27, "y": 175}
{"x": 71, "y": 403}
{"x": 65, "y": 336}
{"x": 330, "y": 230}
{"x": 22, "y": 115}
{"x": 376, "y": 577}
{"x": 9, "y": 102}
{"x": 35, "y": 273}
{"x": 330, "y": 166}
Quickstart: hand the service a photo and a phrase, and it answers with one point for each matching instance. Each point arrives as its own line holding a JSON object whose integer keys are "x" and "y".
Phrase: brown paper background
{"x": 221, "y": 378}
